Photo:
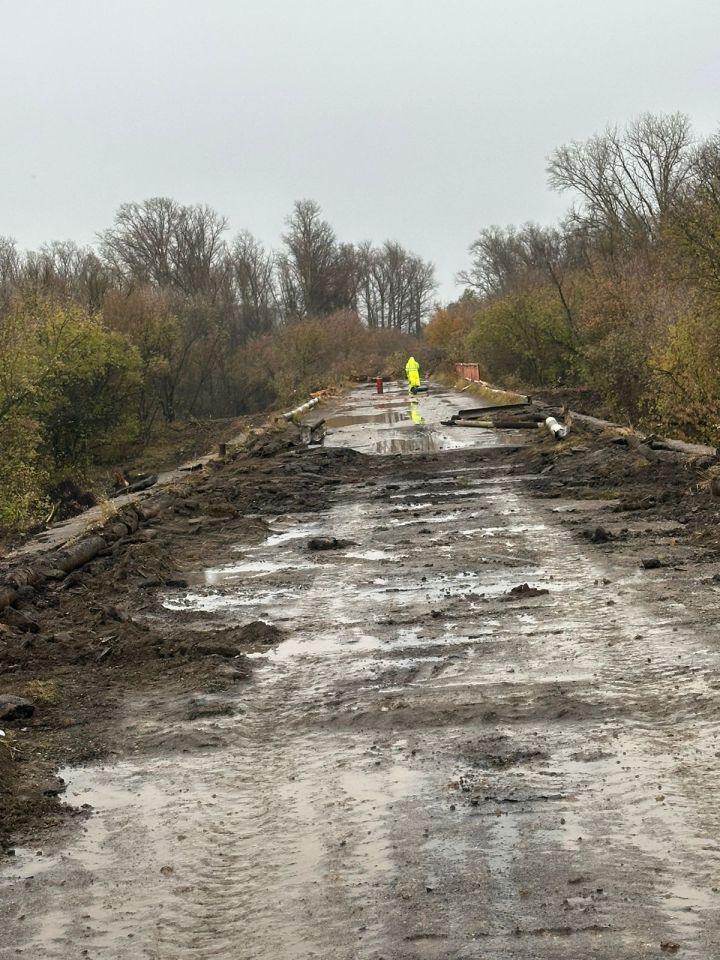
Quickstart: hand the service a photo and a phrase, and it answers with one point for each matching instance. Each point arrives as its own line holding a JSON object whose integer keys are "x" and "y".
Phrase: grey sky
{"x": 416, "y": 120}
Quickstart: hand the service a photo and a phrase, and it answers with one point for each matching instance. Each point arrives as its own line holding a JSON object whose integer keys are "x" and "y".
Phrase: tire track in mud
{"x": 423, "y": 769}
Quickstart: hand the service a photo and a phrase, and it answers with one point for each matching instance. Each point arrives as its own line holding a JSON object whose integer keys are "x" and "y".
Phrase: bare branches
{"x": 628, "y": 182}
{"x": 395, "y": 288}
{"x": 165, "y": 244}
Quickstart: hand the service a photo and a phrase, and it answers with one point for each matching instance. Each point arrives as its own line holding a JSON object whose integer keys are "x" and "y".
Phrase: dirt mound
{"x": 235, "y": 641}
{"x": 523, "y": 591}
{"x": 328, "y": 543}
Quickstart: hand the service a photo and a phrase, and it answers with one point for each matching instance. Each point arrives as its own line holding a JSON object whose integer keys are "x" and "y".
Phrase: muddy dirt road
{"x": 432, "y": 764}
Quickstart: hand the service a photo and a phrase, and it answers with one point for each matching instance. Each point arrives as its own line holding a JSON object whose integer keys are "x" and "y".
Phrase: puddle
{"x": 376, "y": 555}
{"x": 400, "y": 427}
{"x": 349, "y": 420}
{"x": 257, "y": 568}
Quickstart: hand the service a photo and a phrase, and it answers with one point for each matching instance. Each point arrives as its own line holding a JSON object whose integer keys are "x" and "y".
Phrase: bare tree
{"x": 64, "y": 269}
{"x": 505, "y": 260}
{"x": 696, "y": 223}
{"x": 315, "y": 273}
{"x": 628, "y": 182}
{"x": 10, "y": 268}
{"x": 252, "y": 272}
{"x": 165, "y": 244}
{"x": 395, "y": 287}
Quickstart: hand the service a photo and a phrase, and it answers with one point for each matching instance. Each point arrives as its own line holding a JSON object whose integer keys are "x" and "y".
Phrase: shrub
{"x": 22, "y": 474}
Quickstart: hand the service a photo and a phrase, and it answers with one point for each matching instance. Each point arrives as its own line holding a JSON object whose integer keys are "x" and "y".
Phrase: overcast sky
{"x": 415, "y": 120}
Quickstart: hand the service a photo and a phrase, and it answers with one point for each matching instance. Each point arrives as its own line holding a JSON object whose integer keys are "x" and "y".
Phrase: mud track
{"x": 472, "y": 729}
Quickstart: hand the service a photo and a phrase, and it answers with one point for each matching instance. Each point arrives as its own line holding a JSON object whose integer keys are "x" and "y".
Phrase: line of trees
{"x": 167, "y": 317}
{"x": 623, "y": 295}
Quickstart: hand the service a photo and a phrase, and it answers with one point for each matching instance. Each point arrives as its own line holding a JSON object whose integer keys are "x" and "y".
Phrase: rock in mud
{"x": 599, "y": 535}
{"x": 15, "y": 708}
{"x": 260, "y": 632}
{"x": 524, "y": 591}
{"x": 54, "y": 787}
{"x": 650, "y": 563}
{"x": 327, "y": 543}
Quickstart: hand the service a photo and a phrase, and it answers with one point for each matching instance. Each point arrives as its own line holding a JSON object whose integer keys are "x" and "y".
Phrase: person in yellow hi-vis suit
{"x": 412, "y": 369}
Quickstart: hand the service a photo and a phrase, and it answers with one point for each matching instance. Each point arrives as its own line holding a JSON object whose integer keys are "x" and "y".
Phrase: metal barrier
{"x": 468, "y": 371}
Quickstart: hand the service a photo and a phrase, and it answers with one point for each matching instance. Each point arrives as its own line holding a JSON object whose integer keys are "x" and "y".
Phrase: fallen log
{"x": 516, "y": 424}
{"x": 494, "y": 424}
{"x": 482, "y": 411}
{"x": 79, "y": 554}
{"x": 679, "y": 446}
{"x": 143, "y": 484}
{"x": 485, "y": 424}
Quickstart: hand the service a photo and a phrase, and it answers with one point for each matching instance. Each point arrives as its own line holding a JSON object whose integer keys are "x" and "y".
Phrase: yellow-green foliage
{"x": 449, "y": 327}
{"x": 522, "y": 337}
{"x": 687, "y": 372}
{"x": 67, "y": 386}
{"x": 22, "y": 473}
{"x": 61, "y": 366}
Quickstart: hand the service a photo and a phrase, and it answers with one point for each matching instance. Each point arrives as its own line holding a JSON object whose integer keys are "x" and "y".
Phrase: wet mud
{"x": 470, "y": 730}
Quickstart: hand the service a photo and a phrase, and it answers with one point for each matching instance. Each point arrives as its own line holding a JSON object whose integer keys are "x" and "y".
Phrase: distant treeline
{"x": 623, "y": 296}
{"x": 167, "y": 318}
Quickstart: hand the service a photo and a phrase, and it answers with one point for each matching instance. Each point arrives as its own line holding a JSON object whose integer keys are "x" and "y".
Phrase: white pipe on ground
{"x": 303, "y": 408}
{"x": 558, "y": 430}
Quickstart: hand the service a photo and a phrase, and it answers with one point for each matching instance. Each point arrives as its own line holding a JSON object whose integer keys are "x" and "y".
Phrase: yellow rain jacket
{"x": 412, "y": 369}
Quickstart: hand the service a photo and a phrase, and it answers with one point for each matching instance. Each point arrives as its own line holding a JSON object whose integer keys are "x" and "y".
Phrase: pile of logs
{"x": 55, "y": 565}
{"x": 510, "y": 416}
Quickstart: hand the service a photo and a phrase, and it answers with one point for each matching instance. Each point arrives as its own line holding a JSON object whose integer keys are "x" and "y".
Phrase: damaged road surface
{"x": 469, "y": 732}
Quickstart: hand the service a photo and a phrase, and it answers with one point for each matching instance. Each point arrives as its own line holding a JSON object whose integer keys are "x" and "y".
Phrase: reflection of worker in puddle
{"x": 412, "y": 369}
{"x": 415, "y": 414}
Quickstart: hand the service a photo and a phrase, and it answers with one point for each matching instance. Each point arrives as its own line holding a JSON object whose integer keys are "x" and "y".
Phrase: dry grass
{"x": 45, "y": 692}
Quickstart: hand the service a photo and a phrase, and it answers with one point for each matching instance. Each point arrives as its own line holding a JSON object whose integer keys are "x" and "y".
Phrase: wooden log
{"x": 515, "y": 424}
{"x": 79, "y": 554}
{"x": 482, "y": 411}
{"x": 143, "y": 484}
{"x": 679, "y": 446}
{"x": 494, "y": 424}
{"x": 652, "y": 448}
{"x": 484, "y": 424}
{"x": 117, "y": 531}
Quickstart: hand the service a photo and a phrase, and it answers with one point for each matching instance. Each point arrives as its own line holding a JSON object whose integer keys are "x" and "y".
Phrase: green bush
{"x": 23, "y": 476}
